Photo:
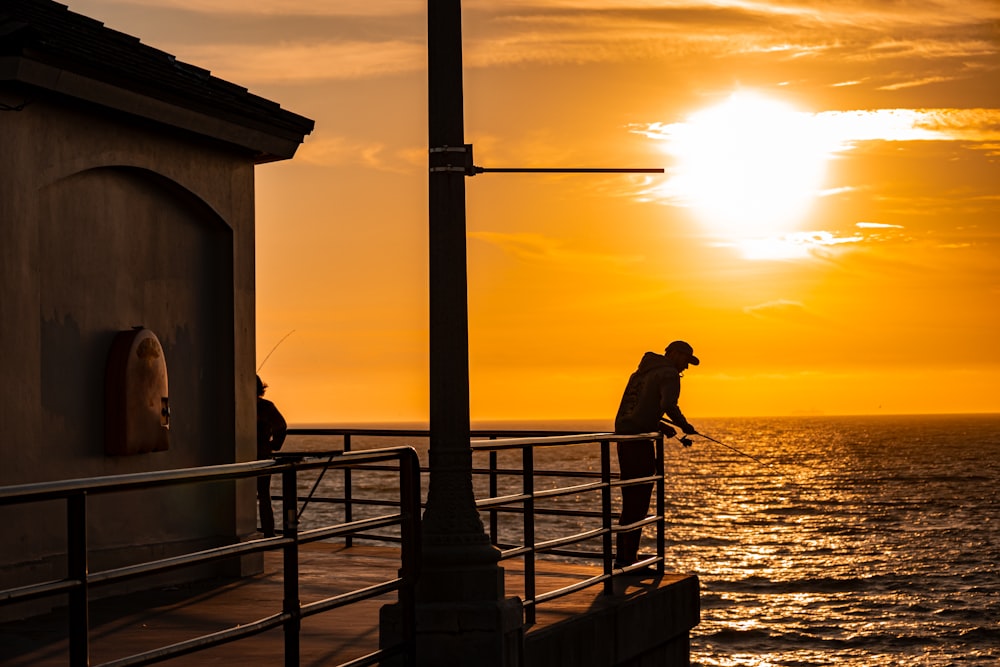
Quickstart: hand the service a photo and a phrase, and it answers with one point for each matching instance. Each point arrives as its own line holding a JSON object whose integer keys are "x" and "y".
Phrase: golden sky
{"x": 826, "y": 234}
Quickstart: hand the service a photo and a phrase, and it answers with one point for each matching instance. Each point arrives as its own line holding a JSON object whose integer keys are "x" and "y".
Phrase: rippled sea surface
{"x": 851, "y": 541}
{"x": 865, "y": 541}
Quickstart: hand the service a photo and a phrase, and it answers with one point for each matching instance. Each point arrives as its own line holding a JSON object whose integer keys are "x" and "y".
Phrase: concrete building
{"x": 126, "y": 200}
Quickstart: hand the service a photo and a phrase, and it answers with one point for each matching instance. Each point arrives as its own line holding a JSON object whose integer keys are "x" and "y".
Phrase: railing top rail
{"x": 557, "y": 440}
{"x": 425, "y": 433}
{"x": 498, "y": 439}
{"x": 131, "y": 481}
{"x": 398, "y": 432}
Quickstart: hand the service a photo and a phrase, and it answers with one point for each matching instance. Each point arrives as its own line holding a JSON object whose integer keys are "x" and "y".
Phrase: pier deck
{"x": 126, "y": 625}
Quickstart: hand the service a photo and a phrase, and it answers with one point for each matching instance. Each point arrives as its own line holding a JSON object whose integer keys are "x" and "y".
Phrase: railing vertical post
{"x": 494, "y": 520}
{"x": 409, "y": 502}
{"x": 660, "y": 507}
{"x": 79, "y": 620}
{"x": 348, "y": 492}
{"x": 606, "y": 521}
{"x": 528, "y": 488}
{"x": 290, "y": 531}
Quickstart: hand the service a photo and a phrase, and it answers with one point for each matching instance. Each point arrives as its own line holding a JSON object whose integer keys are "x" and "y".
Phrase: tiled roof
{"x": 48, "y": 33}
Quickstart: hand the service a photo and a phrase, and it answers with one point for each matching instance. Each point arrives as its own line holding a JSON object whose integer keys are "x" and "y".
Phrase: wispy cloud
{"x": 841, "y": 129}
{"x": 930, "y": 48}
{"x": 835, "y": 12}
{"x": 387, "y": 36}
{"x": 798, "y": 245}
{"x": 331, "y": 151}
{"x": 588, "y": 30}
{"x": 876, "y": 225}
{"x": 303, "y": 62}
{"x": 992, "y": 149}
{"x": 539, "y": 248}
{"x": 287, "y": 7}
{"x": 781, "y": 309}
{"x": 915, "y": 83}
{"x": 980, "y": 125}
{"x": 844, "y": 128}
{"x": 811, "y": 244}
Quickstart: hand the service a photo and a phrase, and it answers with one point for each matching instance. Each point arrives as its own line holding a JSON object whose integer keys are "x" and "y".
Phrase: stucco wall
{"x": 105, "y": 224}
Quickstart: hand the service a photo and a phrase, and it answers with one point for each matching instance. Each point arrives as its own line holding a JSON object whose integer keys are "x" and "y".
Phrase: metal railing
{"x": 499, "y": 499}
{"x": 525, "y": 503}
{"x": 78, "y": 582}
{"x": 510, "y": 491}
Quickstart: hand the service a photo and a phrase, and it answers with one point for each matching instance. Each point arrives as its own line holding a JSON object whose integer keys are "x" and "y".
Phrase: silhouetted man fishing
{"x": 652, "y": 392}
{"x": 271, "y": 431}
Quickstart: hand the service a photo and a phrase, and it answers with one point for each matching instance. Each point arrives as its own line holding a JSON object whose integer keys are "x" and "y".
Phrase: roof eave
{"x": 266, "y": 144}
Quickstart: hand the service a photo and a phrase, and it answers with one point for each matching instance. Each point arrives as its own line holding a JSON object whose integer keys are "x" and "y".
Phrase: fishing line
{"x": 686, "y": 441}
{"x": 741, "y": 453}
{"x": 274, "y": 348}
{"x": 319, "y": 479}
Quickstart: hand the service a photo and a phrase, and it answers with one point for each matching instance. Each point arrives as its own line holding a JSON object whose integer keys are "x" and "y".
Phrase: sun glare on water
{"x": 748, "y": 167}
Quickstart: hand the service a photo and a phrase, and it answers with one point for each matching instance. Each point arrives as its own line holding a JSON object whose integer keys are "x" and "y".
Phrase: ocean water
{"x": 852, "y": 541}
{"x": 868, "y": 541}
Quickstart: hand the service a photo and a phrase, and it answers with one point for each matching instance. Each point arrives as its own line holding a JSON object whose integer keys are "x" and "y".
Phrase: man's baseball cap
{"x": 685, "y": 348}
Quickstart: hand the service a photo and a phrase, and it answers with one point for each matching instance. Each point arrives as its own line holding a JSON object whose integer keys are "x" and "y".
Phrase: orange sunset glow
{"x": 826, "y": 233}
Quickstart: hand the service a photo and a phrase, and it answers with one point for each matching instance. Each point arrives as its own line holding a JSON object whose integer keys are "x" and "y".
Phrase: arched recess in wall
{"x": 123, "y": 246}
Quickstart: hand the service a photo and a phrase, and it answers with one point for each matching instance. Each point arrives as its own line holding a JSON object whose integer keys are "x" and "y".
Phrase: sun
{"x": 748, "y": 167}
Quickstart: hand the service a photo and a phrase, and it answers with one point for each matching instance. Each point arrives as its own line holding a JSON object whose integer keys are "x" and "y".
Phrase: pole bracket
{"x": 452, "y": 159}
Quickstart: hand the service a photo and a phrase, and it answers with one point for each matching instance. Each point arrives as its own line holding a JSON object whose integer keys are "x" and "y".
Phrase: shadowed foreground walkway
{"x": 130, "y": 624}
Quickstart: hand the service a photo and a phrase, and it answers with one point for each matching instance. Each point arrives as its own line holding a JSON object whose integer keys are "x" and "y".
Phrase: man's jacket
{"x": 652, "y": 391}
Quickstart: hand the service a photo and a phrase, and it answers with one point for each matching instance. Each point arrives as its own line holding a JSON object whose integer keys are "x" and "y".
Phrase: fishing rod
{"x": 778, "y": 471}
{"x": 686, "y": 441}
{"x": 274, "y": 348}
{"x": 315, "y": 485}
{"x": 730, "y": 447}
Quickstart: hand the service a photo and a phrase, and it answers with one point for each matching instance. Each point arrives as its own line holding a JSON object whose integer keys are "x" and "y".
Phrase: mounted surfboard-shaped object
{"x": 136, "y": 409}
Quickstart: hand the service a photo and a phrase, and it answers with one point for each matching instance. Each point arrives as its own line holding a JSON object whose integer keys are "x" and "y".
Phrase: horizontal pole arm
{"x": 557, "y": 170}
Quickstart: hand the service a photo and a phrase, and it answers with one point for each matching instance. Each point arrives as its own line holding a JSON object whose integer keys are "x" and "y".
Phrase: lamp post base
{"x": 461, "y": 634}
